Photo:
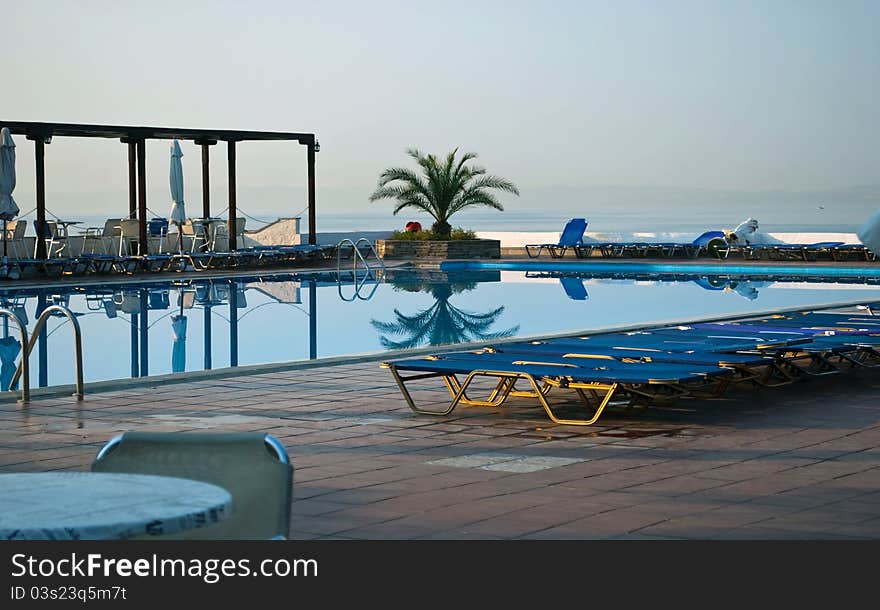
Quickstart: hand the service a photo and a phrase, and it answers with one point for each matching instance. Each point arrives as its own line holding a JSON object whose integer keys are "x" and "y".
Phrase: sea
{"x": 661, "y": 219}
{"x": 773, "y": 217}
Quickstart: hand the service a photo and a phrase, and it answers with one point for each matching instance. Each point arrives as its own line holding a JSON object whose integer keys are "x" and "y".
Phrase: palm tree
{"x": 442, "y": 188}
{"x": 440, "y": 324}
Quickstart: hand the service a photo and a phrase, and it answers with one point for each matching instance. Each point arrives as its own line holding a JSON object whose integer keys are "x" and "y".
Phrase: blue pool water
{"x": 153, "y": 328}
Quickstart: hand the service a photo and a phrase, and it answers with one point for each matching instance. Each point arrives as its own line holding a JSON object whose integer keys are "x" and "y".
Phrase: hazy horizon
{"x": 635, "y": 103}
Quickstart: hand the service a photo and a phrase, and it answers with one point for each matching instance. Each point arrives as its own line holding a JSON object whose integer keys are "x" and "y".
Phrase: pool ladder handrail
{"x": 22, "y": 370}
{"x": 369, "y": 272}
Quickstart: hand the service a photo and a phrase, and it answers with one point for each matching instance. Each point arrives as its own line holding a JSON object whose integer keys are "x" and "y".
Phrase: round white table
{"x": 105, "y": 506}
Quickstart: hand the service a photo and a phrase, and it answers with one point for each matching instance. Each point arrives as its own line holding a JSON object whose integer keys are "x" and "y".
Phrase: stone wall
{"x": 464, "y": 248}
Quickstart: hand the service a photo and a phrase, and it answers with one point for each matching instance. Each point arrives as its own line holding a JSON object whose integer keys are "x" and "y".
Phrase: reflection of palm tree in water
{"x": 440, "y": 324}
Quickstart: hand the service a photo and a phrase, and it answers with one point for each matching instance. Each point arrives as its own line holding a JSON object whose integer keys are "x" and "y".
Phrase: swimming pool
{"x": 158, "y": 327}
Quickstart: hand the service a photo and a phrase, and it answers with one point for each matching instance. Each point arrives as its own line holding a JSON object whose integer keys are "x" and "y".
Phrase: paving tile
{"x": 803, "y": 463}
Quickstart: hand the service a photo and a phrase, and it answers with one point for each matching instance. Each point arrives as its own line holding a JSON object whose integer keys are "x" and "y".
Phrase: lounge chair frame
{"x": 595, "y": 395}
{"x": 506, "y": 382}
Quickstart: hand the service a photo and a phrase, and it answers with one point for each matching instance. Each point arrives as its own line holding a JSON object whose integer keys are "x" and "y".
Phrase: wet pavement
{"x": 797, "y": 462}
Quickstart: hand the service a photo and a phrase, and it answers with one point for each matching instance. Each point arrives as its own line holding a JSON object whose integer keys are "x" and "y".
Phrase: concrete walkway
{"x": 799, "y": 462}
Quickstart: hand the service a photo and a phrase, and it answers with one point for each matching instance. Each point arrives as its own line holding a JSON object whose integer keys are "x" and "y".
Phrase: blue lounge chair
{"x": 804, "y": 252}
{"x": 830, "y": 320}
{"x": 572, "y": 236}
{"x": 637, "y": 379}
{"x": 845, "y": 252}
{"x": 761, "y": 368}
{"x": 831, "y": 345}
{"x": 687, "y": 339}
{"x": 710, "y": 242}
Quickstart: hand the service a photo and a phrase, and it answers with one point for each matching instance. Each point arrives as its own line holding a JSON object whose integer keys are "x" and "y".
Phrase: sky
{"x": 646, "y": 96}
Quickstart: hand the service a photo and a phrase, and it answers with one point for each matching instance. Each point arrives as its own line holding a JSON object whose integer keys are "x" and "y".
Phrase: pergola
{"x": 135, "y": 138}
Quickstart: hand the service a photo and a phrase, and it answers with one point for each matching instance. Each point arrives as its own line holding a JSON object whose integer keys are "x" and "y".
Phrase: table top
{"x": 104, "y": 506}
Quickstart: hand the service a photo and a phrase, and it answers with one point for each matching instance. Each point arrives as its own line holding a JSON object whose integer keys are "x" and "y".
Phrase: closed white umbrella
{"x": 178, "y": 212}
{"x": 8, "y": 207}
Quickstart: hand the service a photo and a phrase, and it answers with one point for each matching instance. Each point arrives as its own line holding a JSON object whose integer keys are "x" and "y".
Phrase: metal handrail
{"x": 77, "y": 346}
{"x": 372, "y": 249}
{"x": 369, "y": 272}
{"x": 25, "y": 368}
{"x": 357, "y": 254}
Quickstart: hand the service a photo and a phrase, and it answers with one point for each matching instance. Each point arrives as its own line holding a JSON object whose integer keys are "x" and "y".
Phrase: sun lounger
{"x": 685, "y": 339}
{"x": 781, "y": 345}
{"x": 763, "y": 369}
{"x": 831, "y": 344}
{"x": 846, "y": 252}
{"x": 101, "y": 264}
{"x": 831, "y": 320}
{"x": 155, "y": 263}
{"x": 572, "y": 236}
{"x": 845, "y": 350}
{"x": 802, "y": 252}
{"x": 817, "y": 323}
{"x": 595, "y": 384}
{"x": 653, "y": 364}
{"x": 710, "y": 242}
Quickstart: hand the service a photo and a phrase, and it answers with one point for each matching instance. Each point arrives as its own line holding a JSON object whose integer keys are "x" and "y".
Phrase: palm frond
{"x": 476, "y": 198}
{"x": 418, "y": 204}
{"x": 441, "y": 188}
{"x": 495, "y": 182}
{"x": 401, "y": 174}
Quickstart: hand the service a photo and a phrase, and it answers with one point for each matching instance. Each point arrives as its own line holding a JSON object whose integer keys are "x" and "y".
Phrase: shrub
{"x": 456, "y": 234}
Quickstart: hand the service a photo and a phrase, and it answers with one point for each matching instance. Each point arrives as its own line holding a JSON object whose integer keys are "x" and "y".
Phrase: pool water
{"x": 133, "y": 330}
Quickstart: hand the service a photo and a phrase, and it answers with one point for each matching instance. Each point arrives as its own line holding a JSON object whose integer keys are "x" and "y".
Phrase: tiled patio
{"x": 801, "y": 462}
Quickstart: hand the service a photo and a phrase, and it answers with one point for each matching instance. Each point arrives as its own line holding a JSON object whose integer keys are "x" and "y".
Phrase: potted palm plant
{"x": 440, "y": 188}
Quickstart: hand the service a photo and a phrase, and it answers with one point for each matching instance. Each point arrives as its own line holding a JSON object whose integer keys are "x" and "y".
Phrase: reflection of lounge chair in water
{"x": 747, "y": 288}
{"x": 574, "y": 288}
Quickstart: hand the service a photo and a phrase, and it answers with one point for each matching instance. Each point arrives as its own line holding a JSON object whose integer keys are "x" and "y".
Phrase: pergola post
{"x": 40, "y": 162}
{"x": 206, "y": 182}
{"x": 233, "y": 212}
{"x": 142, "y": 196}
{"x": 132, "y": 181}
{"x": 311, "y": 178}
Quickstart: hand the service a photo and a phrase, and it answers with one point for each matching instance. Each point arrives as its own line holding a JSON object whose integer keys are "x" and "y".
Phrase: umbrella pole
{"x": 4, "y": 264}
